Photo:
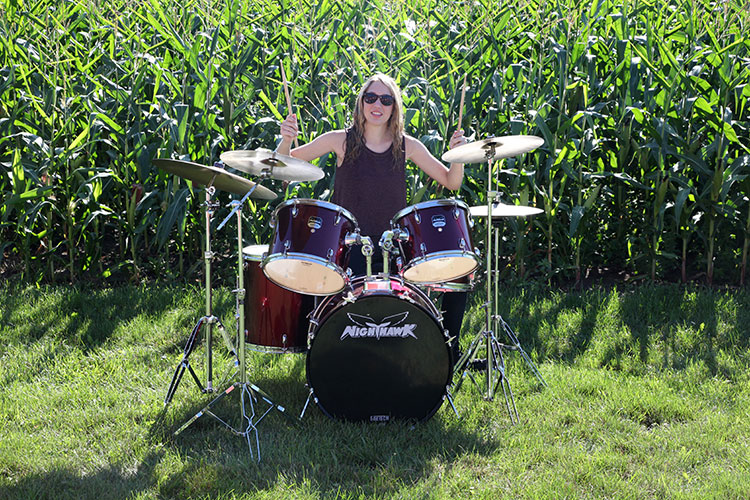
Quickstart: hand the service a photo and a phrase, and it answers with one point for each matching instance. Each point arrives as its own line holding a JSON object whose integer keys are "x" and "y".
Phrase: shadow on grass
{"x": 317, "y": 455}
{"x": 663, "y": 326}
{"x": 104, "y": 484}
{"x": 324, "y": 457}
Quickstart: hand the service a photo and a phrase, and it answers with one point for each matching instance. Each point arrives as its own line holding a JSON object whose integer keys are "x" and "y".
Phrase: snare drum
{"x": 275, "y": 318}
{"x": 309, "y": 254}
{"x": 378, "y": 352}
{"x": 439, "y": 247}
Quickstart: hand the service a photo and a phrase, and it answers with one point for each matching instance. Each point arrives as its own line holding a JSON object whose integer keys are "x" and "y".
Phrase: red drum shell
{"x": 308, "y": 253}
{"x": 276, "y": 319}
{"x": 439, "y": 247}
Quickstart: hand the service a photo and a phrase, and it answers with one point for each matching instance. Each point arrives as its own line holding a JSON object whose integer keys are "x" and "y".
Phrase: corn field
{"x": 643, "y": 106}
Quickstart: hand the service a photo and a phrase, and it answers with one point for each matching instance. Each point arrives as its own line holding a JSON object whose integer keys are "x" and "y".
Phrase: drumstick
{"x": 288, "y": 99}
{"x": 461, "y": 108}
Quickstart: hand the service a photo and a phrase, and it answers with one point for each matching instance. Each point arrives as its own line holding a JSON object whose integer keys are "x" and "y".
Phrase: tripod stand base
{"x": 185, "y": 362}
{"x": 494, "y": 371}
{"x": 250, "y": 395}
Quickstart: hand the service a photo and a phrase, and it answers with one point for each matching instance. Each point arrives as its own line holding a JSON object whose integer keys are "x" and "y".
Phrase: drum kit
{"x": 375, "y": 345}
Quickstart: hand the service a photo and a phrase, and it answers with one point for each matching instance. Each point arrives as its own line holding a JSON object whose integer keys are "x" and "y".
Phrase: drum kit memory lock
{"x": 375, "y": 346}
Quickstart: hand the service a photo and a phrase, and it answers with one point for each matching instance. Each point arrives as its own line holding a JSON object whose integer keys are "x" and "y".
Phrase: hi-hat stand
{"x": 250, "y": 394}
{"x": 205, "y": 322}
{"x": 495, "y": 325}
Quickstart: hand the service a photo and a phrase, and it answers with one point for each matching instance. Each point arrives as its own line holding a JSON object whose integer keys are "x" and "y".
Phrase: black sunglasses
{"x": 371, "y": 97}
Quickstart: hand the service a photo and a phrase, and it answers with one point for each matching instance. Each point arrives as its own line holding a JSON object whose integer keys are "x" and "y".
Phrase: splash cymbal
{"x": 281, "y": 167}
{"x": 220, "y": 179}
{"x": 503, "y": 210}
{"x": 493, "y": 148}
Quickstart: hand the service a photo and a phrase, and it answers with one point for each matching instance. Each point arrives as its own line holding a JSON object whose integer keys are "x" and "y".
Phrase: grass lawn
{"x": 647, "y": 397}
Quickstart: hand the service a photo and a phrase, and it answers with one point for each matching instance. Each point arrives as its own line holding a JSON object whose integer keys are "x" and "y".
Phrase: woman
{"x": 370, "y": 177}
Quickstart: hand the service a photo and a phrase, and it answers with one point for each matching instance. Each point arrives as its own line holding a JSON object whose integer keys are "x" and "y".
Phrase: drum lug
{"x": 423, "y": 248}
{"x": 295, "y": 210}
{"x": 456, "y": 212}
{"x": 462, "y": 244}
{"x": 417, "y": 217}
{"x": 330, "y": 255}
{"x": 287, "y": 244}
{"x": 337, "y": 219}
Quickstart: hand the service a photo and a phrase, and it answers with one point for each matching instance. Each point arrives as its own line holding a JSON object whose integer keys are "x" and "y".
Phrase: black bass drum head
{"x": 379, "y": 358}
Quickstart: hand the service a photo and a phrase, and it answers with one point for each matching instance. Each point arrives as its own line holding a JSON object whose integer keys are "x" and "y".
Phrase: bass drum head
{"x": 379, "y": 358}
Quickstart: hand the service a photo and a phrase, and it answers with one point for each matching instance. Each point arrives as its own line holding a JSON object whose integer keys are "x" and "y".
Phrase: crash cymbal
{"x": 220, "y": 179}
{"x": 503, "y": 210}
{"x": 282, "y": 167}
{"x": 493, "y": 148}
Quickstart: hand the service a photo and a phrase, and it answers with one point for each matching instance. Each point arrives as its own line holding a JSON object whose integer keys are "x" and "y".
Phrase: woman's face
{"x": 377, "y": 113}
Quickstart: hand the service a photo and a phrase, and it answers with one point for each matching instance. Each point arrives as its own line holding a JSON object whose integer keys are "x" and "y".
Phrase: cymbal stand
{"x": 495, "y": 373}
{"x": 250, "y": 394}
{"x": 206, "y": 321}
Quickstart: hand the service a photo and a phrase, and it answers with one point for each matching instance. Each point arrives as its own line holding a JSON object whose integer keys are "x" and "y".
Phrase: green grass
{"x": 648, "y": 397}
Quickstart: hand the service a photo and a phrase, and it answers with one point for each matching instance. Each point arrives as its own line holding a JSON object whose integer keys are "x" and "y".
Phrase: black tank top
{"x": 373, "y": 189}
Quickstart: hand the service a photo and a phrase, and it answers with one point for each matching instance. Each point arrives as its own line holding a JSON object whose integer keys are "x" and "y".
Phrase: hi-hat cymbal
{"x": 220, "y": 179}
{"x": 503, "y": 210}
{"x": 493, "y": 148}
{"x": 281, "y": 167}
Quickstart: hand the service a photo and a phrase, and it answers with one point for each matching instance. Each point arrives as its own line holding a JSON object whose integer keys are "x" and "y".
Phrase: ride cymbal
{"x": 281, "y": 167}
{"x": 493, "y": 148}
{"x": 220, "y": 179}
{"x": 503, "y": 210}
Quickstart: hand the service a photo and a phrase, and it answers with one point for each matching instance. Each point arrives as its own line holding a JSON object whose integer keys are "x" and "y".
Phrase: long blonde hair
{"x": 355, "y": 138}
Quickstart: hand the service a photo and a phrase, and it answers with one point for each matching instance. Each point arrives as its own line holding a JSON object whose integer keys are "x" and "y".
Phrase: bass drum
{"x": 377, "y": 353}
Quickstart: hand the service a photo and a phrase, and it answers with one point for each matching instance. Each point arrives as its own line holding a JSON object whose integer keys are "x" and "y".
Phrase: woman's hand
{"x": 289, "y": 132}
{"x": 457, "y": 139}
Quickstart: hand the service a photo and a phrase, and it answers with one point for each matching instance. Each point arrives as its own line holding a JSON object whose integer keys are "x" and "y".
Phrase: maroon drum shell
{"x": 440, "y": 239}
{"x": 310, "y": 231}
{"x": 276, "y": 319}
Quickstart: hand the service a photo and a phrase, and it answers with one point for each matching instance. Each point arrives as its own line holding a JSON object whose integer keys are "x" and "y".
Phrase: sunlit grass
{"x": 81, "y": 407}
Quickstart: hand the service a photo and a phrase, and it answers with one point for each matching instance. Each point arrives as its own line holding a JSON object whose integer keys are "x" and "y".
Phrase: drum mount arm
{"x": 356, "y": 238}
{"x": 386, "y": 243}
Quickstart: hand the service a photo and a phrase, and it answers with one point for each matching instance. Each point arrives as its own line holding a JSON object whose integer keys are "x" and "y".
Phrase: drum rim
{"x": 307, "y": 258}
{"x": 438, "y": 255}
{"x": 276, "y": 350}
{"x": 309, "y": 201}
{"x": 252, "y": 256}
{"x": 316, "y": 321}
{"x": 449, "y": 286}
{"x": 429, "y": 204}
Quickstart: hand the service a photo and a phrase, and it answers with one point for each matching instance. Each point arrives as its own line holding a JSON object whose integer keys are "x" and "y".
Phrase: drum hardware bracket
{"x": 310, "y": 396}
{"x": 450, "y": 400}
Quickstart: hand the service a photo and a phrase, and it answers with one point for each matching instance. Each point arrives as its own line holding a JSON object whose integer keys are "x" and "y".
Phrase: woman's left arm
{"x": 451, "y": 177}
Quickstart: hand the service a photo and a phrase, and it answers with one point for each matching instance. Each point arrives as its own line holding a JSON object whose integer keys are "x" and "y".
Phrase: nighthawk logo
{"x": 390, "y": 326}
